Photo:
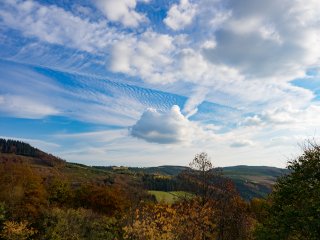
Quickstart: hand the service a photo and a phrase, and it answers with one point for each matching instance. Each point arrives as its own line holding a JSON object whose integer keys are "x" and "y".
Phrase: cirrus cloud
{"x": 20, "y": 106}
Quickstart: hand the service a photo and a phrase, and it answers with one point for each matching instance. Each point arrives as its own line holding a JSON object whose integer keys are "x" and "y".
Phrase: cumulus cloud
{"x": 274, "y": 26}
{"x": 122, "y": 11}
{"x": 163, "y": 127}
{"x": 180, "y": 15}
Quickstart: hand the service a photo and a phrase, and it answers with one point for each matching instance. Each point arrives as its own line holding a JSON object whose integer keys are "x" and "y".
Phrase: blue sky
{"x": 153, "y": 82}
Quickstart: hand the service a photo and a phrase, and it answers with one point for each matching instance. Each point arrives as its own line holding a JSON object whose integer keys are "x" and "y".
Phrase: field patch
{"x": 170, "y": 197}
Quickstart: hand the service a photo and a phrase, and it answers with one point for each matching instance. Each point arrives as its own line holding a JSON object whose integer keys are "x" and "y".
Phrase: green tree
{"x": 294, "y": 211}
{"x": 60, "y": 192}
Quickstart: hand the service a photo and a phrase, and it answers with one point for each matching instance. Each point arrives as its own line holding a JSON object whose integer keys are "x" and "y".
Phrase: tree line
{"x": 17, "y": 147}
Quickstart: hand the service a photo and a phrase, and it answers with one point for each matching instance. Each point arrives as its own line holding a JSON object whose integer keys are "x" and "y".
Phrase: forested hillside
{"x": 35, "y": 155}
{"x": 44, "y": 197}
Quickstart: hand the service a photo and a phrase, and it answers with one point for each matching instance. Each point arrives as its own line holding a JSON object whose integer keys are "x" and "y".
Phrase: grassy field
{"x": 169, "y": 197}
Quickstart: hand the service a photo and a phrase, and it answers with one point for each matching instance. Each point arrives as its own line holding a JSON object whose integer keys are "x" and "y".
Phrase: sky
{"x": 154, "y": 82}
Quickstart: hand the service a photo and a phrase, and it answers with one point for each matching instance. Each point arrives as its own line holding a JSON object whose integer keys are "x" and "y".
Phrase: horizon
{"x": 154, "y": 82}
{"x": 142, "y": 167}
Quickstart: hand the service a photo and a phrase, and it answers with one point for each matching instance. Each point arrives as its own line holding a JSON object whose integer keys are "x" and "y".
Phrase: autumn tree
{"x": 17, "y": 231}
{"x": 230, "y": 213}
{"x": 109, "y": 200}
{"x": 188, "y": 220}
{"x": 60, "y": 192}
{"x": 80, "y": 224}
{"x": 196, "y": 221}
{"x": 22, "y": 191}
{"x": 153, "y": 222}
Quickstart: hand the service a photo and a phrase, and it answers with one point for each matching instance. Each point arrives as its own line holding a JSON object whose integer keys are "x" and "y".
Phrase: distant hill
{"x": 250, "y": 181}
{"x": 255, "y": 170}
{"x": 254, "y": 181}
{"x": 169, "y": 170}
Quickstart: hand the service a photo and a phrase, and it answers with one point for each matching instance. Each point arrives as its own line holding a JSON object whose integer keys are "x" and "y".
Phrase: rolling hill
{"x": 250, "y": 181}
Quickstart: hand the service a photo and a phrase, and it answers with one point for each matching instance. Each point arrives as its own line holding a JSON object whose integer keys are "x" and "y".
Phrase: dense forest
{"x": 44, "y": 197}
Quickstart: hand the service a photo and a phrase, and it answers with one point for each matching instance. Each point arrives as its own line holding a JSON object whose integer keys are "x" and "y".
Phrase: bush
{"x": 78, "y": 224}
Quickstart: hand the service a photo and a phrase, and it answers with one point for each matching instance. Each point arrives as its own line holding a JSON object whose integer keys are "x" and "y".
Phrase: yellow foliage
{"x": 16, "y": 230}
{"x": 185, "y": 220}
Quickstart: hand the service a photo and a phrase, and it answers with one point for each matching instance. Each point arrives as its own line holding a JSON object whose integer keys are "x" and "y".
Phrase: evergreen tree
{"x": 294, "y": 211}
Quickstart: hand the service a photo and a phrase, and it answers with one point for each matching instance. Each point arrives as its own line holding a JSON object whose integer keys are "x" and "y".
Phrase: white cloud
{"x": 180, "y": 15}
{"x": 252, "y": 121}
{"x": 269, "y": 32}
{"x": 147, "y": 56}
{"x": 121, "y": 56}
{"x": 264, "y": 29}
{"x": 23, "y": 107}
{"x": 241, "y": 143}
{"x": 217, "y": 17}
{"x": 81, "y": 10}
{"x": 209, "y": 58}
{"x": 190, "y": 107}
{"x": 55, "y": 25}
{"x": 287, "y": 116}
{"x": 193, "y": 66}
{"x": 35, "y": 95}
{"x": 122, "y": 11}
{"x": 163, "y": 127}
{"x": 209, "y": 44}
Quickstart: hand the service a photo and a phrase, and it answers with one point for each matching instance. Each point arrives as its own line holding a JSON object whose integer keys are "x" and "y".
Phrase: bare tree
{"x": 201, "y": 168}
